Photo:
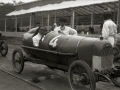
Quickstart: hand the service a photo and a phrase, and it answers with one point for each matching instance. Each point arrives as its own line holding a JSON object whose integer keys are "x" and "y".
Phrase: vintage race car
{"x": 3, "y": 46}
{"x": 87, "y": 60}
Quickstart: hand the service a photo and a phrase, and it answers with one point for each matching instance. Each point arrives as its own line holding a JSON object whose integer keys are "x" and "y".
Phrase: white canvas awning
{"x": 100, "y": 5}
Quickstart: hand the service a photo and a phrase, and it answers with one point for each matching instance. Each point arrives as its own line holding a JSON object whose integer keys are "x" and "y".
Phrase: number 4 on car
{"x": 53, "y": 42}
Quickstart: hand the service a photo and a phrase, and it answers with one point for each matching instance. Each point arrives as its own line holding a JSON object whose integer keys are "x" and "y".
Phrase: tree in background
{"x": 17, "y": 3}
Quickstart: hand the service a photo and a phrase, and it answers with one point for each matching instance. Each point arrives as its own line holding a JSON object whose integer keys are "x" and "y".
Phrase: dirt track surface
{"x": 8, "y": 82}
{"x": 31, "y": 70}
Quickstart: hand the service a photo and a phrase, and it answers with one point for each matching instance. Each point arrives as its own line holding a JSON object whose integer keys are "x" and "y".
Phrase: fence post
{"x": 5, "y": 24}
{"x": 92, "y": 16}
{"x": 15, "y": 24}
{"x": 73, "y": 17}
{"x": 33, "y": 19}
{"x": 55, "y": 17}
{"x": 21, "y": 21}
{"x": 42, "y": 18}
{"x": 30, "y": 21}
{"x": 48, "y": 20}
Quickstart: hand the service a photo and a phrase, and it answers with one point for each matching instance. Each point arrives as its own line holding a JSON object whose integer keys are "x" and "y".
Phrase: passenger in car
{"x": 63, "y": 29}
{"x": 109, "y": 30}
{"x": 39, "y": 36}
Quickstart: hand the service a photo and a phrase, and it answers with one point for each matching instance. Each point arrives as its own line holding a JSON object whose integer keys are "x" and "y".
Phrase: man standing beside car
{"x": 109, "y": 30}
{"x": 63, "y": 29}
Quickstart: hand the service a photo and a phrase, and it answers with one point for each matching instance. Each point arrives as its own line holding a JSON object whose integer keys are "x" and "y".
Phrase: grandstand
{"x": 80, "y": 14}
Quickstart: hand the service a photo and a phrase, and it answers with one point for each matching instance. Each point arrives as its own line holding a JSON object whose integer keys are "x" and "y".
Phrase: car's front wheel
{"x": 18, "y": 60}
{"x": 116, "y": 78}
{"x": 81, "y": 76}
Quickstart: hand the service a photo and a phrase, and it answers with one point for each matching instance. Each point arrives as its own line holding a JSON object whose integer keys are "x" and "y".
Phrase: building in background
{"x": 80, "y": 14}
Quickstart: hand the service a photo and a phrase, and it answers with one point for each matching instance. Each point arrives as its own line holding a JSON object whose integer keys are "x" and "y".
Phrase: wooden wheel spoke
{"x": 81, "y": 76}
{"x": 18, "y": 60}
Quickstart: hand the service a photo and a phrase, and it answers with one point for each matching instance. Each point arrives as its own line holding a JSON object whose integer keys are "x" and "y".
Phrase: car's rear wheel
{"x": 81, "y": 76}
{"x": 4, "y": 48}
{"x": 18, "y": 60}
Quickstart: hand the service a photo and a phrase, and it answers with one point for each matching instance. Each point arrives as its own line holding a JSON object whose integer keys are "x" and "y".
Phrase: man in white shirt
{"x": 40, "y": 36}
{"x": 65, "y": 29}
{"x": 109, "y": 30}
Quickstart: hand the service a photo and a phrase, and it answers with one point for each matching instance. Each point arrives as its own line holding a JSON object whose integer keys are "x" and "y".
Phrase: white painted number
{"x": 53, "y": 42}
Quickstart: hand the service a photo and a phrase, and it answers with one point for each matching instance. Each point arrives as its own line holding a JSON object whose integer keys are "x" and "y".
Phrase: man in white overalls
{"x": 109, "y": 30}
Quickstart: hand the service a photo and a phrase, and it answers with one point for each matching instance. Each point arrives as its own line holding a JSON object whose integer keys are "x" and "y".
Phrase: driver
{"x": 65, "y": 29}
{"x": 40, "y": 36}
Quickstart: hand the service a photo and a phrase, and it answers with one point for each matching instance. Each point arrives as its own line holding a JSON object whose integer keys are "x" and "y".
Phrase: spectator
{"x": 109, "y": 30}
{"x": 91, "y": 30}
{"x": 18, "y": 29}
{"x": 54, "y": 26}
{"x": 63, "y": 29}
{"x": 101, "y": 26}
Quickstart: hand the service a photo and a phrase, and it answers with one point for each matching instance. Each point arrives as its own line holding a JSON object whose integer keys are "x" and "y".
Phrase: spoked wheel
{"x": 116, "y": 61}
{"x": 4, "y": 48}
{"x": 18, "y": 61}
{"x": 116, "y": 78}
{"x": 116, "y": 51}
{"x": 81, "y": 76}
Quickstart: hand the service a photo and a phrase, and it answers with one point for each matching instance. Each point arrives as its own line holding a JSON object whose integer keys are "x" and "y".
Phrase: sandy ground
{"x": 8, "y": 82}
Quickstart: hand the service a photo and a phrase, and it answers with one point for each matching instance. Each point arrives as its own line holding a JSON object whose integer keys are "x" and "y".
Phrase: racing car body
{"x": 82, "y": 57}
{"x": 64, "y": 49}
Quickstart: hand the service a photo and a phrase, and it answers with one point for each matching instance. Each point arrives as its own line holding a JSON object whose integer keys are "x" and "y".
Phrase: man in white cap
{"x": 65, "y": 29}
{"x": 109, "y": 30}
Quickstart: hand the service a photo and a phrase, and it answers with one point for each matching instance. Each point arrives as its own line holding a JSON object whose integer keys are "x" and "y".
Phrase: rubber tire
{"x": 21, "y": 58}
{"x": 4, "y": 42}
{"x": 116, "y": 58}
{"x": 116, "y": 51}
{"x": 88, "y": 69}
{"x": 113, "y": 79}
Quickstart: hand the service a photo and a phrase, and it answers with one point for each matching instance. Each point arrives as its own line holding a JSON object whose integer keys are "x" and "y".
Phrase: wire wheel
{"x": 116, "y": 78}
{"x": 4, "y": 48}
{"x": 81, "y": 76}
{"x": 17, "y": 61}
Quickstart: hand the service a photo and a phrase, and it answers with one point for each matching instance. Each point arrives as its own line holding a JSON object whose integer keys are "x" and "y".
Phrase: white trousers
{"x": 111, "y": 39}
